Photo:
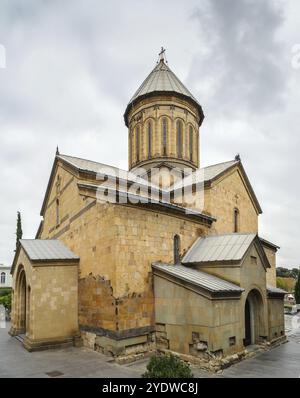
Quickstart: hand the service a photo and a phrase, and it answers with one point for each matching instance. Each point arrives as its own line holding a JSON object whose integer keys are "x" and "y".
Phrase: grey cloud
{"x": 73, "y": 65}
{"x": 242, "y": 55}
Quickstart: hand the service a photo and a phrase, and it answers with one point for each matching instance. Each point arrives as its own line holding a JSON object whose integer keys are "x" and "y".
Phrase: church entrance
{"x": 21, "y": 305}
{"x": 253, "y": 318}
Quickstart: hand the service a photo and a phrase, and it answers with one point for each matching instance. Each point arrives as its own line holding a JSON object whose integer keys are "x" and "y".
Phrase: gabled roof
{"x": 269, "y": 244}
{"x": 208, "y": 174}
{"x": 275, "y": 291}
{"x": 47, "y": 250}
{"x": 219, "y": 248}
{"x": 201, "y": 279}
{"x": 223, "y": 248}
{"x": 162, "y": 80}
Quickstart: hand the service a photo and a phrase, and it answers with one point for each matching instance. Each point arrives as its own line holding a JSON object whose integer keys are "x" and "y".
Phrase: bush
{"x": 167, "y": 366}
{"x": 6, "y": 301}
{"x": 5, "y": 291}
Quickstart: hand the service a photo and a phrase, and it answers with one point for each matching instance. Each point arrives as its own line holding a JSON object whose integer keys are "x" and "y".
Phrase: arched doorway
{"x": 22, "y": 303}
{"x": 254, "y": 318}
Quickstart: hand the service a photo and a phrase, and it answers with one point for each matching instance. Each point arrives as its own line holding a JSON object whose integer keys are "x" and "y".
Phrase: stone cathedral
{"x": 135, "y": 274}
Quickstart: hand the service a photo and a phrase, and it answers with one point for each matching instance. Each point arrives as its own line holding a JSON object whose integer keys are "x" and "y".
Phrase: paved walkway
{"x": 15, "y": 361}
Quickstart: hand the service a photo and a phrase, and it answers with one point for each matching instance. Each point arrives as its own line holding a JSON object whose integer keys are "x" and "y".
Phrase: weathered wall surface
{"x": 189, "y": 323}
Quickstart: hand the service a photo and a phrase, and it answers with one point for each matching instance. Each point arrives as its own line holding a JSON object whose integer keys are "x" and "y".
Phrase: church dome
{"x": 162, "y": 81}
{"x": 163, "y": 120}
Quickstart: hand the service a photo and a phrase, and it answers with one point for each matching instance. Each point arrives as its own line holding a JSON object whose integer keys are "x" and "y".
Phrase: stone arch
{"x": 254, "y": 312}
{"x": 21, "y": 304}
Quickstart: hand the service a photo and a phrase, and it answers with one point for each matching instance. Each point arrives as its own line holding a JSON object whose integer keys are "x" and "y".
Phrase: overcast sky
{"x": 72, "y": 66}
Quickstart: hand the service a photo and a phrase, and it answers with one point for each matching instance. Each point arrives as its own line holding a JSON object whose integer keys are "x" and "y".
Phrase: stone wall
{"x": 51, "y": 302}
{"x": 225, "y": 194}
{"x": 155, "y": 109}
{"x": 276, "y": 318}
{"x": 189, "y": 323}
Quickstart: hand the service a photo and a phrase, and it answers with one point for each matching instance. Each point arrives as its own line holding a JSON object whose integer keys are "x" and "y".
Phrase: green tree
{"x": 19, "y": 232}
{"x": 297, "y": 290}
{"x": 167, "y": 366}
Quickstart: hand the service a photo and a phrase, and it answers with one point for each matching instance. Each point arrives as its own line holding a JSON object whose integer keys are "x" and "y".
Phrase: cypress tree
{"x": 19, "y": 232}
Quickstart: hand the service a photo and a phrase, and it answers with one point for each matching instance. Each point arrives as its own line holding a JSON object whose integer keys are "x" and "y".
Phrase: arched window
{"x": 176, "y": 249}
{"x": 191, "y": 141}
{"x": 149, "y": 139}
{"x": 236, "y": 220}
{"x": 137, "y": 143}
{"x": 3, "y": 276}
{"x": 164, "y": 136}
{"x": 179, "y": 138}
{"x": 57, "y": 212}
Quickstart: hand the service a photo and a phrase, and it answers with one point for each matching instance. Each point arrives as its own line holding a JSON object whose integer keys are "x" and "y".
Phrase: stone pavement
{"x": 15, "y": 361}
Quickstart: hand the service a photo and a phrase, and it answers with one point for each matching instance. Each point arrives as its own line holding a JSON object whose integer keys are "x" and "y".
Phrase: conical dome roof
{"x": 162, "y": 81}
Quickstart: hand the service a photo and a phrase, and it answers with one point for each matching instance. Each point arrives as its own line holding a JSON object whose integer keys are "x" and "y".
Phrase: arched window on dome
{"x": 149, "y": 136}
{"x": 191, "y": 141}
{"x": 3, "y": 276}
{"x": 179, "y": 138}
{"x": 137, "y": 143}
{"x": 164, "y": 136}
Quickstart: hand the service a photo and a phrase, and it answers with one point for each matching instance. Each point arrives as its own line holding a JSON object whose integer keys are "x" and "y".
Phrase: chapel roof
{"x": 201, "y": 279}
{"x": 47, "y": 250}
{"x": 222, "y": 248}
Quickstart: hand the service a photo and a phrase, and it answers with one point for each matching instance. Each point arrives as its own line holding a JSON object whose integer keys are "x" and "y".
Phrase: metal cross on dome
{"x": 162, "y": 54}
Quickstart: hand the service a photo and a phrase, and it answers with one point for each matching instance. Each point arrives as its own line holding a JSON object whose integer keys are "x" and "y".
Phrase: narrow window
{"x": 176, "y": 249}
{"x": 3, "y": 278}
{"x": 179, "y": 139}
{"x": 131, "y": 145}
{"x": 57, "y": 212}
{"x": 236, "y": 220}
{"x": 149, "y": 139}
{"x": 137, "y": 143}
{"x": 164, "y": 135}
{"x": 191, "y": 142}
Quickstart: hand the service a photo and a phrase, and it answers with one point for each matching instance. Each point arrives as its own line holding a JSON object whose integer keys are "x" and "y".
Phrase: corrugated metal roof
{"x": 162, "y": 79}
{"x": 101, "y": 168}
{"x": 230, "y": 247}
{"x": 205, "y": 174}
{"x": 47, "y": 250}
{"x": 95, "y": 167}
{"x": 202, "y": 279}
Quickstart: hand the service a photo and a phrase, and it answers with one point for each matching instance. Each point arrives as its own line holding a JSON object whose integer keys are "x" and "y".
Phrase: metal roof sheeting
{"x": 159, "y": 80}
{"x": 276, "y": 290}
{"x": 202, "y": 279}
{"x": 205, "y": 174}
{"x": 219, "y": 248}
{"x": 47, "y": 250}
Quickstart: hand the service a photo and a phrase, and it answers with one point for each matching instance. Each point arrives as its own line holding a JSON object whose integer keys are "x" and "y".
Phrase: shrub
{"x": 6, "y": 301}
{"x": 167, "y": 366}
{"x": 4, "y": 291}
